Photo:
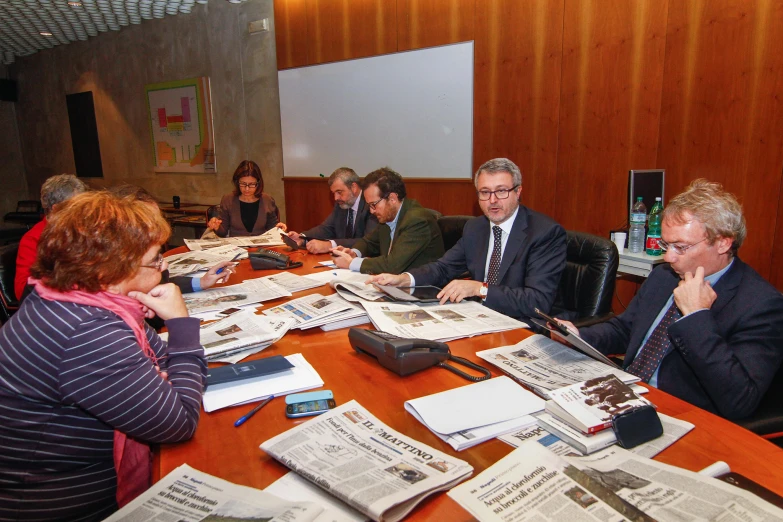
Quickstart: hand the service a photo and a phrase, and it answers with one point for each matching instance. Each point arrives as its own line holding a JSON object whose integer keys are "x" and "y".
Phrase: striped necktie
{"x": 650, "y": 356}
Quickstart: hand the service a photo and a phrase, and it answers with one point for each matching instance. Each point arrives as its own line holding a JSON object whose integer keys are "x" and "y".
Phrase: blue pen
{"x": 252, "y": 412}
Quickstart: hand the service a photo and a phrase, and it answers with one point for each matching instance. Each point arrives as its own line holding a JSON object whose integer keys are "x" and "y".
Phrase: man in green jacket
{"x": 407, "y": 237}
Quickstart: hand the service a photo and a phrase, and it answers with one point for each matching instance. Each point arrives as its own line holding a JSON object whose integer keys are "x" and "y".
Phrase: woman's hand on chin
{"x": 164, "y": 300}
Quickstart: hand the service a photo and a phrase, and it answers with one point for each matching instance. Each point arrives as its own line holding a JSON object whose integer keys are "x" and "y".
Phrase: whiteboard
{"x": 410, "y": 111}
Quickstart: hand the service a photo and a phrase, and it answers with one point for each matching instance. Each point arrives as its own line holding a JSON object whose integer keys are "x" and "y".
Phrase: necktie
{"x": 650, "y": 356}
{"x": 349, "y": 228}
{"x": 494, "y": 261}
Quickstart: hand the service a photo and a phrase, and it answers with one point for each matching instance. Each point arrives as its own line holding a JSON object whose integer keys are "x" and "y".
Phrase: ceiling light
{"x": 74, "y": 4}
{"x": 45, "y": 33}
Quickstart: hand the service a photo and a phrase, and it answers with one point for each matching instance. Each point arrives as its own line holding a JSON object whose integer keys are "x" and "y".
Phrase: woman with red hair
{"x": 85, "y": 384}
{"x": 247, "y": 211}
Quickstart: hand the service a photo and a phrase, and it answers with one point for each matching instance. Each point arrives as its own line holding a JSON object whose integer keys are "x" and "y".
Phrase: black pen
{"x": 252, "y": 412}
{"x": 325, "y": 266}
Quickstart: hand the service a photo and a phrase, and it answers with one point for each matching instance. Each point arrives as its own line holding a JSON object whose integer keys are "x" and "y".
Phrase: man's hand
{"x": 390, "y": 280}
{"x": 163, "y": 300}
{"x": 296, "y": 237}
{"x": 694, "y": 293}
{"x": 460, "y": 289}
{"x": 342, "y": 259}
{"x": 211, "y": 278}
{"x": 316, "y": 246}
{"x": 569, "y": 326}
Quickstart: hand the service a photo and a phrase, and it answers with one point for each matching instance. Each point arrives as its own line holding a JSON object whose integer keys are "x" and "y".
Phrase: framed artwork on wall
{"x": 180, "y": 116}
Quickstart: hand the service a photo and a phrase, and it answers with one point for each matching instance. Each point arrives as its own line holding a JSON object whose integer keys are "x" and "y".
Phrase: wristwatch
{"x": 483, "y": 290}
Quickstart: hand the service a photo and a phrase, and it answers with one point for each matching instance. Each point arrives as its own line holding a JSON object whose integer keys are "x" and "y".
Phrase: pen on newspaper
{"x": 252, "y": 412}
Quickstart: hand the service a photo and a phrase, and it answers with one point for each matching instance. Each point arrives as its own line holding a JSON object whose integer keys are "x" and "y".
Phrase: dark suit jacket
{"x": 722, "y": 359}
{"x": 334, "y": 226}
{"x": 268, "y": 217}
{"x": 417, "y": 241}
{"x": 530, "y": 269}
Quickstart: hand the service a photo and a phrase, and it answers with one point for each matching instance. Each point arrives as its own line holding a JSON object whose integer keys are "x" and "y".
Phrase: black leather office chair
{"x": 451, "y": 229}
{"x": 7, "y": 273}
{"x": 767, "y": 420}
{"x": 28, "y": 213}
{"x": 587, "y": 284}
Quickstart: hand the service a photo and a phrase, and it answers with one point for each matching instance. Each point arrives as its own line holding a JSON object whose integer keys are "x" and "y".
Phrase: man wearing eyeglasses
{"x": 349, "y": 221}
{"x": 407, "y": 236}
{"x": 705, "y": 327}
{"x": 514, "y": 255}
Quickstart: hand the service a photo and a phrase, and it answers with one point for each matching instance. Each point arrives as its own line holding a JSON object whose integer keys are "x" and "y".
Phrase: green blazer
{"x": 417, "y": 241}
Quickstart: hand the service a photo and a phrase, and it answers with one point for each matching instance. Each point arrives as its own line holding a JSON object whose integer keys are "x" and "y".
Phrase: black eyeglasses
{"x": 373, "y": 205}
{"x": 484, "y": 195}
{"x": 157, "y": 265}
{"x": 248, "y": 185}
{"x": 676, "y": 247}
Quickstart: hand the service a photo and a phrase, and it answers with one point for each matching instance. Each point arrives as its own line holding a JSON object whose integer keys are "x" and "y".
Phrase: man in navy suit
{"x": 705, "y": 327}
{"x": 349, "y": 221}
{"x": 514, "y": 255}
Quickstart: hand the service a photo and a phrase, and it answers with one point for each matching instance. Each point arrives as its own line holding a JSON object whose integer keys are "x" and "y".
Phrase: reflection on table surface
{"x": 232, "y": 453}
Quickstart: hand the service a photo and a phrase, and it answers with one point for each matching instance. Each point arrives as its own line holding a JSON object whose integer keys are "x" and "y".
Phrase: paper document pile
{"x": 241, "y": 334}
{"x": 475, "y": 413}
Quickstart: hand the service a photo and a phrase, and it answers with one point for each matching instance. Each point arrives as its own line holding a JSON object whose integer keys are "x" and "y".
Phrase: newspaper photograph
{"x": 438, "y": 322}
{"x": 310, "y": 309}
{"x": 248, "y": 292}
{"x": 545, "y": 365}
{"x": 532, "y": 483}
{"x": 188, "y": 495}
{"x": 242, "y": 333}
{"x": 361, "y": 461}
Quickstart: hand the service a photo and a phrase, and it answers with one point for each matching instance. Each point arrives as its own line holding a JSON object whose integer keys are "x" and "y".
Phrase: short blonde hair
{"x": 718, "y": 210}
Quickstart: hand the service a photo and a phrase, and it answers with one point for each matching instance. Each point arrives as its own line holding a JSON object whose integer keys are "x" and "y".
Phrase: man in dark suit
{"x": 514, "y": 255}
{"x": 407, "y": 236}
{"x": 349, "y": 221}
{"x": 705, "y": 327}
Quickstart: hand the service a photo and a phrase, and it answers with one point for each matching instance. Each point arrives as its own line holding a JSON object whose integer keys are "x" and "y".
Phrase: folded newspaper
{"x": 438, "y": 322}
{"x": 311, "y": 310}
{"x": 532, "y": 483}
{"x": 369, "y": 466}
{"x": 271, "y": 237}
{"x": 241, "y": 334}
{"x": 188, "y": 495}
{"x": 544, "y": 365}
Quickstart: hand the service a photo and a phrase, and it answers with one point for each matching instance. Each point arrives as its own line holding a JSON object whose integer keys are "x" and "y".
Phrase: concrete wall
{"x": 12, "y": 178}
{"x": 213, "y": 41}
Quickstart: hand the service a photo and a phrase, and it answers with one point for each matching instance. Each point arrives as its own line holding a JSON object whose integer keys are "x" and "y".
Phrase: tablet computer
{"x": 411, "y": 294}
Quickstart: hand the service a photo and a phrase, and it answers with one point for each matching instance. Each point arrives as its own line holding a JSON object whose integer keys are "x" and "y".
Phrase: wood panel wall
{"x": 578, "y": 92}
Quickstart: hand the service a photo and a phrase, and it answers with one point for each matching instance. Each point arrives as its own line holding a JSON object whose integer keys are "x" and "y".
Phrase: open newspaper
{"x": 271, "y": 237}
{"x": 249, "y": 292}
{"x": 532, "y": 483}
{"x": 358, "y": 459}
{"x": 292, "y": 282}
{"x": 438, "y": 322}
{"x": 544, "y": 365}
{"x": 188, "y": 495}
{"x": 190, "y": 262}
{"x": 240, "y": 335}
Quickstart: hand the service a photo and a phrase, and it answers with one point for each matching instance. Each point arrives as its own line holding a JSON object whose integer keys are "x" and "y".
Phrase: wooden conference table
{"x": 220, "y": 449}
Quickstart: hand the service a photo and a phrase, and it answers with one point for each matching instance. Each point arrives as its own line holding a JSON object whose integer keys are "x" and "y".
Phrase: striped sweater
{"x": 69, "y": 375}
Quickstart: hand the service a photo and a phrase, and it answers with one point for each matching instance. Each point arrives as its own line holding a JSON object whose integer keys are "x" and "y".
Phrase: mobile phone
{"x": 312, "y": 403}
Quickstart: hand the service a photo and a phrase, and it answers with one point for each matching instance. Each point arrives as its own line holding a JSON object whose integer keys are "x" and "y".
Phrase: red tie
{"x": 650, "y": 356}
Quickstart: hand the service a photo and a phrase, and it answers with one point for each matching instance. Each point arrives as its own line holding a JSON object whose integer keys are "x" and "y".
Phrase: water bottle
{"x": 654, "y": 229}
{"x": 637, "y": 221}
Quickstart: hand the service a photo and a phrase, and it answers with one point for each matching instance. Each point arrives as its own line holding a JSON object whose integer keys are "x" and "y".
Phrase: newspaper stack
{"x": 358, "y": 459}
{"x": 438, "y": 323}
{"x": 240, "y": 335}
{"x": 188, "y": 495}
{"x": 311, "y": 310}
{"x": 532, "y": 483}
{"x": 190, "y": 262}
{"x": 544, "y": 365}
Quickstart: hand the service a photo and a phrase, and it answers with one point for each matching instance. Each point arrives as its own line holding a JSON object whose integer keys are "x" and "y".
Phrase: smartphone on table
{"x": 311, "y": 403}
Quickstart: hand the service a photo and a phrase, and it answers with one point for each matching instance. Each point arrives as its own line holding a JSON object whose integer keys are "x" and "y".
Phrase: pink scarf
{"x": 132, "y": 459}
